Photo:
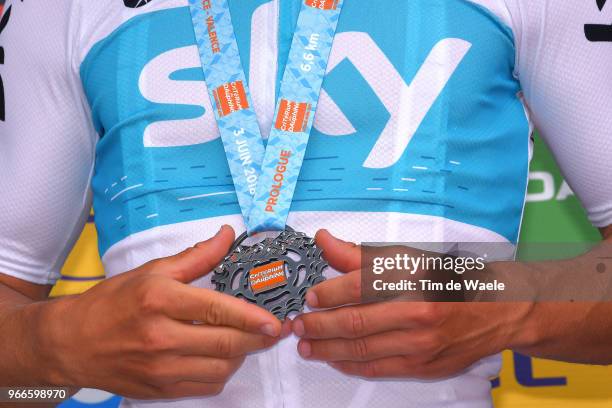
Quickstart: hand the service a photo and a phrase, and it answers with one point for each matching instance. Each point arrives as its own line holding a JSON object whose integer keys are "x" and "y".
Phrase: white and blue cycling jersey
{"x": 422, "y": 134}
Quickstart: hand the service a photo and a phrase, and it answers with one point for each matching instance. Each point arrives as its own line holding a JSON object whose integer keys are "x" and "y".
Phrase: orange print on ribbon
{"x": 322, "y": 4}
{"x": 292, "y": 116}
{"x": 230, "y": 98}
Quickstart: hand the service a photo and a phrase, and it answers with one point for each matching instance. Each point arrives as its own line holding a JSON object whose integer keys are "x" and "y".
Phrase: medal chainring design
{"x": 302, "y": 265}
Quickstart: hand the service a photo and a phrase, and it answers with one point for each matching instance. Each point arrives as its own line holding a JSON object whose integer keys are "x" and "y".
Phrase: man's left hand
{"x": 397, "y": 339}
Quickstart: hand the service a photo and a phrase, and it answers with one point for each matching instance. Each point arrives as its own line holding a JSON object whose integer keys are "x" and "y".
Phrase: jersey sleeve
{"x": 47, "y": 142}
{"x": 564, "y": 64}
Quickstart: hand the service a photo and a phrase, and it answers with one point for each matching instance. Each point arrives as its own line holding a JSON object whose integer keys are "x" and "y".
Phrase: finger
{"x": 210, "y": 307}
{"x": 286, "y": 328}
{"x": 404, "y": 367}
{"x": 193, "y": 368}
{"x": 389, "y": 367}
{"x": 186, "y": 389}
{"x": 387, "y": 344}
{"x": 353, "y": 322}
{"x": 218, "y": 342}
{"x": 341, "y": 255}
{"x": 340, "y": 291}
{"x": 199, "y": 260}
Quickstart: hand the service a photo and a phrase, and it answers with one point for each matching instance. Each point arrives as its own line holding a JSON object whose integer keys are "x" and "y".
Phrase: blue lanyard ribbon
{"x": 265, "y": 178}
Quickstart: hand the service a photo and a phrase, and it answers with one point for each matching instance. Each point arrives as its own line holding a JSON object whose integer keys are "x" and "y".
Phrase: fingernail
{"x": 220, "y": 230}
{"x": 312, "y": 299}
{"x": 305, "y": 349}
{"x": 269, "y": 330}
{"x": 298, "y": 328}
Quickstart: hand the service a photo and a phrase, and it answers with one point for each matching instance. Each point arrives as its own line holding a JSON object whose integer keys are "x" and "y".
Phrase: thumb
{"x": 199, "y": 260}
{"x": 342, "y": 256}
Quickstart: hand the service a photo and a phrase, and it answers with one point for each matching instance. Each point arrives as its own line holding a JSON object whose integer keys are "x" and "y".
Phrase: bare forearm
{"x": 572, "y": 332}
{"x": 571, "y": 317}
{"x": 23, "y": 340}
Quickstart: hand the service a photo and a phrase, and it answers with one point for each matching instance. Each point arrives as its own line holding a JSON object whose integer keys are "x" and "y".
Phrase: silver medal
{"x": 274, "y": 273}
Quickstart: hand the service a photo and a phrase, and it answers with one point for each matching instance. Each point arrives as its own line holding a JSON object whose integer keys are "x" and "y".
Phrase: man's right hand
{"x": 135, "y": 335}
